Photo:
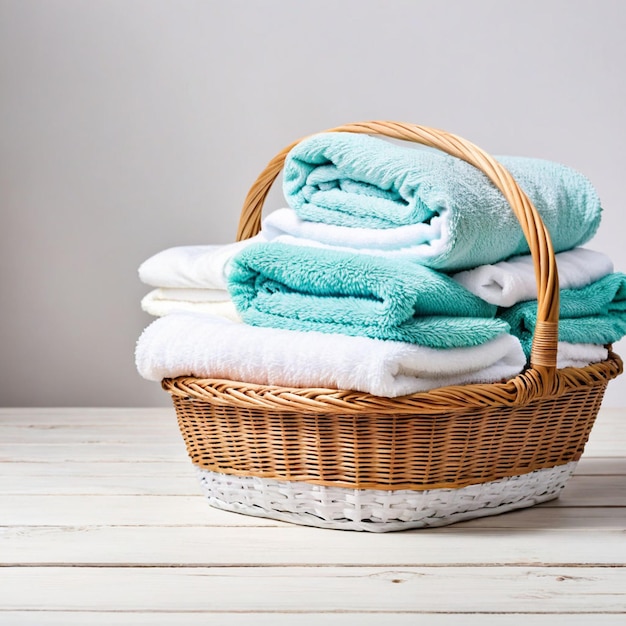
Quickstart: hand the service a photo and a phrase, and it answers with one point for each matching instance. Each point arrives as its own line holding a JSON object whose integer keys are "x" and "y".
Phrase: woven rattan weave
{"x": 450, "y": 437}
{"x": 377, "y": 510}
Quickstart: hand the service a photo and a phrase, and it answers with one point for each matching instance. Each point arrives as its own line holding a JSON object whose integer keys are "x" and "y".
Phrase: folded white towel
{"x": 579, "y": 354}
{"x": 192, "y": 266}
{"x": 512, "y": 281}
{"x": 190, "y": 295}
{"x": 165, "y": 301}
{"x": 185, "y": 344}
{"x": 283, "y": 225}
{"x": 502, "y": 284}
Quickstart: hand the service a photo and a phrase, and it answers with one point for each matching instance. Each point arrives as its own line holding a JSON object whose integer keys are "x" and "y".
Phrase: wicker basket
{"x": 350, "y": 460}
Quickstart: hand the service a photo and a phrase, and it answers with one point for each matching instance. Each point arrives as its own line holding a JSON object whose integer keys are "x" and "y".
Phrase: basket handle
{"x": 545, "y": 338}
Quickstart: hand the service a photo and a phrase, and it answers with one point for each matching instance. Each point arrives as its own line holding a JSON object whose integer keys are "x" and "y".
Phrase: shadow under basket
{"x": 349, "y": 460}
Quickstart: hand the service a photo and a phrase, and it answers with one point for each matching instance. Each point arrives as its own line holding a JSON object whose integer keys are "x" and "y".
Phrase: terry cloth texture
{"x": 579, "y": 354}
{"x": 165, "y": 301}
{"x": 192, "y": 267}
{"x": 593, "y": 314}
{"x": 352, "y": 180}
{"x": 512, "y": 281}
{"x": 209, "y": 347}
{"x": 299, "y": 288}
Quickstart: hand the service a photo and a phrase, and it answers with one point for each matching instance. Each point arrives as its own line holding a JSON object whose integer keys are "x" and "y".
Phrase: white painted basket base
{"x": 379, "y": 510}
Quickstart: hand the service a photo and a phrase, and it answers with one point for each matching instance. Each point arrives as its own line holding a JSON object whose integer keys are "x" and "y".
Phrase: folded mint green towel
{"x": 300, "y": 288}
{"x": 357, "y": 181}
{"x": 593, "y": 314}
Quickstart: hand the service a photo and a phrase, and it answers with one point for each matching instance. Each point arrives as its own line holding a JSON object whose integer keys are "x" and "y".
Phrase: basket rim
{"x": 532, "y": 384}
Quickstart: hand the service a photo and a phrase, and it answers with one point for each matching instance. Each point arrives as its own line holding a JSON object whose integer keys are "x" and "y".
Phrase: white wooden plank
{"x": 333, "y": 589}
{"x": 59, "y": 472}
{"x": 608, "y": 420}
{"x": 593, "y": 491}
{"x": 607, "y": 437}
{"x": 201, "y": 618}
{"x": 609, "y": 447}
{"x": 111, "y": 453}
{"x": 139, "y": 426}
{"x": 296, "y": 545}
{"x": 183, "y": 482}
{"x": 601, "y": 465}
{"x": 84, "y": 415}
{"x": 167, "y": 510}
{"x": 183, "y": 467}
{"x": 156, "y": 478}
{"x": 553, "y": 518}
{"x": 87, "y": 435}
{"x": 46, "y": 427}
{"x": 136, "y": 452}
{"x": 89, "y": 510}
{"x": 96, "y": 452}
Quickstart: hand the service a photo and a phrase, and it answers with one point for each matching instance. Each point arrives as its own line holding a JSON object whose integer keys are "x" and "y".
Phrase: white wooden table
{"x": 102, "y": 522}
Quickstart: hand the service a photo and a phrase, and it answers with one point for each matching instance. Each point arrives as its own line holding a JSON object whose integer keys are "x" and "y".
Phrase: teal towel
{"x": 299, "y": 288}
{"x": 352, "y": 180}
{"x": 593, "y": 314}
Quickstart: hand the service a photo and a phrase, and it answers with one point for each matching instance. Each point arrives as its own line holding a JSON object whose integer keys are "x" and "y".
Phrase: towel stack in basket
{"x": 394, "y": 270}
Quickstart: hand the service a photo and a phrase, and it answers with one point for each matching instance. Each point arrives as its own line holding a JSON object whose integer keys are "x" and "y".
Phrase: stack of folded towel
{"x": 192, "y": 279}
{"x": 394, "y": 270}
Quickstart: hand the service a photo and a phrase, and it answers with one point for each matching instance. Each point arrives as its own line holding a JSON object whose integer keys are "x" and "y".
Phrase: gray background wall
{"x": 128, "y": 126}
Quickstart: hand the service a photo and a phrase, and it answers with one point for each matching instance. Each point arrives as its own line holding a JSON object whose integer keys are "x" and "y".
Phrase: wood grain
{"x": 310, "y": 589}
{"x": 102, "y": 521}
